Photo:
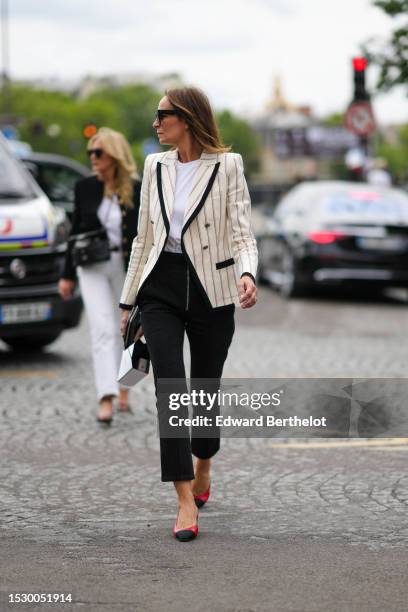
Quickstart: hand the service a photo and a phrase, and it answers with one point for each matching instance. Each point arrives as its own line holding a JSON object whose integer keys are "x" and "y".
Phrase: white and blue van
{"x": 33, "y": 242}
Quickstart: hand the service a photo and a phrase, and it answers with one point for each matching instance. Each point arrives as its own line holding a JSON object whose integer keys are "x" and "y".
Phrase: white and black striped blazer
{"x": 216, "y": 236}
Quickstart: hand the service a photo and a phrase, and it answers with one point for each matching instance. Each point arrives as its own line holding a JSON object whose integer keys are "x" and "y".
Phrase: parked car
{"x": 56, "y": 175}
{"x": 33, "y": 236}
{"x": 333, "y": 233}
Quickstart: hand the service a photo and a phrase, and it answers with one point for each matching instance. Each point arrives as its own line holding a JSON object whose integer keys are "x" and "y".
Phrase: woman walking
{"x": 194, "y": 259}
{"x": 110, "y": 198}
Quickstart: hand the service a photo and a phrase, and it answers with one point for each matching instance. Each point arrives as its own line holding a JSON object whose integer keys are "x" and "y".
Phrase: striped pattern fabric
{"x": 217, "y": 237}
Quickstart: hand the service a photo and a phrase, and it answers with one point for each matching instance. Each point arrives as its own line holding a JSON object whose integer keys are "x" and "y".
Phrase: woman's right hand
{"x": 66, "y": 288}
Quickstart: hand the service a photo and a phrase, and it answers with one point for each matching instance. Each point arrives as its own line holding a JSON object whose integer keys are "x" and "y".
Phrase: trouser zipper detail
{"x": 188, "y": 287}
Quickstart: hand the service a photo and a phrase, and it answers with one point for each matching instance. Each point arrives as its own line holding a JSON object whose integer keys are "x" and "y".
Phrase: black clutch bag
{"x": 90, "y": 247}
{"x": 133, "y": 324}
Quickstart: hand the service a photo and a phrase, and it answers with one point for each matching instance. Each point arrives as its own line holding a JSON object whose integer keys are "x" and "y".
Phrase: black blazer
{"x": 88, "y": 196}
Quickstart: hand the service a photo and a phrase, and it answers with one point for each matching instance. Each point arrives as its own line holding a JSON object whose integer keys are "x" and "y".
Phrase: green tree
{"x": 391, "y": 56}
{"x": 53, "y": 122}
{"x": 396, "y": 154}
{"x": 135, "y": 106}
{"x": 333, "y": 120}
{"x": 42, "y": 111}
{"x": 238, "y": 134}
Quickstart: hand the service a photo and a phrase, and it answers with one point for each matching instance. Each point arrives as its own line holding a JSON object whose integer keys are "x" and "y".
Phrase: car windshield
{"x": 365, "y": 204}
{"x": 14, "y": 184}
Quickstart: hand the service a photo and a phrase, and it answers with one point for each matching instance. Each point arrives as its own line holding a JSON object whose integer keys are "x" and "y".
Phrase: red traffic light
{"x": 359, "y": 64}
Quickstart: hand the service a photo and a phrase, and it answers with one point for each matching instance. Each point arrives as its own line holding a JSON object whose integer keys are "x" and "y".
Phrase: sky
{"x": 233, "y": 49}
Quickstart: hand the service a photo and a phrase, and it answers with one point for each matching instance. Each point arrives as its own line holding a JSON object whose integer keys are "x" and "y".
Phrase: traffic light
{"x": 359, "y": 66}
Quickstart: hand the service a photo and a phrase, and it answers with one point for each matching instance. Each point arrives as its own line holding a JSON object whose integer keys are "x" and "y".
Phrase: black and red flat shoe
{"x": 200, "y": 500}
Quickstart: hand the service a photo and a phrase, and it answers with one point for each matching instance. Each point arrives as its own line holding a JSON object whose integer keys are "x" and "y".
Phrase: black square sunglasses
{"x": 97, "y": 152}
{"x": 162, "y": 113}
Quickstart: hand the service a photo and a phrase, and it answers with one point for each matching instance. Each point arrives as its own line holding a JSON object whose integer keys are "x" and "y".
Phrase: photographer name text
{"x": 269, "y": 420}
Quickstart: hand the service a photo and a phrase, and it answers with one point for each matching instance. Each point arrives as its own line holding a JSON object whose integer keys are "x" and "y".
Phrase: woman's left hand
{"x": 247, "y": 292}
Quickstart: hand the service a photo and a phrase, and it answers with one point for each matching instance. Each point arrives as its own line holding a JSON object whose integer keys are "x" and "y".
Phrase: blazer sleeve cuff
{"x": 125, "y": 306}
{"x": 248, "y": 274}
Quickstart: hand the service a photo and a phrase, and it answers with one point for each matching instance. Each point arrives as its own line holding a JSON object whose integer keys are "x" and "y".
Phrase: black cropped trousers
{"x": 171, "y": 304}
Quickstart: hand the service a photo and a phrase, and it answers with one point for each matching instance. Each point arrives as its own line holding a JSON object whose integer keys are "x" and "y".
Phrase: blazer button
{"x": 124, "y": 226}
{"x": 207, "y": 225}
{"x": 205, "y": 247}
{"x": 151, "y": 221}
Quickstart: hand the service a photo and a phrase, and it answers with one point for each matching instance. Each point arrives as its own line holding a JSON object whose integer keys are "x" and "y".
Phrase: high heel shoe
{"x": 200, "y": 500}
{"x": 187, "y": 533}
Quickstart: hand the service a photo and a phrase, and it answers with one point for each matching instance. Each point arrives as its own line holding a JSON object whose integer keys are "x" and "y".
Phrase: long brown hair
{"x": 116, "y": 145}
{"x": 197, "y": 112}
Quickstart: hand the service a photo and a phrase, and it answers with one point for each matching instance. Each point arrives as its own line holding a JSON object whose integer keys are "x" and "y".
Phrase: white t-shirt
{"x": 184, "y": 181}
{"x": 110, "y": 216}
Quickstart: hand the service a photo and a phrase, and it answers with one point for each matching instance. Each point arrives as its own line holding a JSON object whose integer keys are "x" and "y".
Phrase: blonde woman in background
{"x": 109, "y": 198}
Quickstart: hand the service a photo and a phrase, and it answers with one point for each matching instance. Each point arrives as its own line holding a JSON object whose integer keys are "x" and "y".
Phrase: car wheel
{"x": 290, "y": 285}
{"x": 31, "y": 344}
{"x": 260, "y": 274}
{"x": 260, "y": 278}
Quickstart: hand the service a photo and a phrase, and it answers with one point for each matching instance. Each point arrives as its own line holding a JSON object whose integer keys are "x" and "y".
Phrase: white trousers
{"x": 101, "y": 286}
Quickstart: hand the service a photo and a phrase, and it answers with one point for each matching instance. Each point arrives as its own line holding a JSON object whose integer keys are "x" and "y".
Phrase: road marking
{"x": 390, "y": 448}
{"x": 27, "y": 373}
{"x": 385, "y": 442}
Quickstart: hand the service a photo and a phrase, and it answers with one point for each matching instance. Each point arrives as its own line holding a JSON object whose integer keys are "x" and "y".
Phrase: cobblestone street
{"x": 291, "y": 525}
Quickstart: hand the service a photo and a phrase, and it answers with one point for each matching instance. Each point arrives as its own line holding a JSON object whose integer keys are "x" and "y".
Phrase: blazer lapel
{"x": 200, "y": 182}
{"x": 169, "y": 181}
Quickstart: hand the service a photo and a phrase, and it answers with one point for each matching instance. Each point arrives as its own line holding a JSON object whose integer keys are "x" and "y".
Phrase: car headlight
{"x": 61, "y": 227}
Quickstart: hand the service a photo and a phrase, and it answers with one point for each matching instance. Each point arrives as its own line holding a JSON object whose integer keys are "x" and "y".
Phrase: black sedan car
{"x": 332, "y": 233}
